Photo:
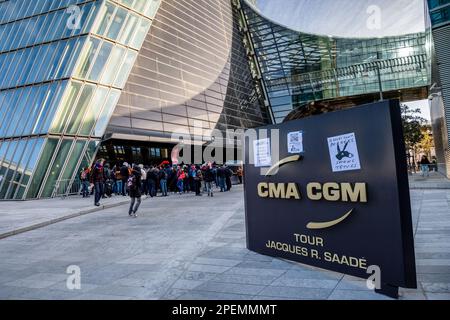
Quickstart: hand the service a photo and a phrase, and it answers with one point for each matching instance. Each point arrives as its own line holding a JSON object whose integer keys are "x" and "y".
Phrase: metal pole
{"x": 377, "y": 63}
{"x": 379, "y": 82}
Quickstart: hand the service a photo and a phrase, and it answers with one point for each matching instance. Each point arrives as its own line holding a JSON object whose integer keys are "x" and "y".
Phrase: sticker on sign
{"x": 344, "y": 153}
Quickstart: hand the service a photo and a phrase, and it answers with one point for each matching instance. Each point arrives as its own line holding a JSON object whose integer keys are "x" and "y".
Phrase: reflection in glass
{"x": 56, "y": 168}
{"x": 41, "y": 168}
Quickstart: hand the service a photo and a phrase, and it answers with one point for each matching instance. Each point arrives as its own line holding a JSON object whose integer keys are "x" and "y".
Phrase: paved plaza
{"x": 187, "y": 247}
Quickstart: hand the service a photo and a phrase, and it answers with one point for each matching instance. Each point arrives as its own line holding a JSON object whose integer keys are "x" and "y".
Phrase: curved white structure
{"x": 348, "y": 18}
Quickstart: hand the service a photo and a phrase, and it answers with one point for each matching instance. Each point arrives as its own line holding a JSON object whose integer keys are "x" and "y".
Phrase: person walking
{"x": 228, "y": 175}
{"x": 85, "y": 178}
{"x": 98, "y": 179}
{"x": 152, "y": 178}
{"x": 198, "y": 181}
{"x": 240, "y": 173}
{"x": 221, "y": 177}
{"x": 143, "y": 179}
{"x": 119, "y": 182}
{"x": 209, "y": 179}
{"x": 134, "y": 185}
{"x": 163, "y": 181}
{"x": 124, "y": 174}
{"x": 425, "y": 166}
{"x": 109, "y": 184}
{"x": 180, "y": 180}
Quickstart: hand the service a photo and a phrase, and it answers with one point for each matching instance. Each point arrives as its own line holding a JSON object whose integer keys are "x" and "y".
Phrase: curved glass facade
{"x": 297, "y": 67}
{"x": 64, "y": 64}
{"x": 192, "y": 71}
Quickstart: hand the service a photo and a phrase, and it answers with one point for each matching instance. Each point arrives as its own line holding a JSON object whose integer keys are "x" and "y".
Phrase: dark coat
{"x": 136, "y": 192}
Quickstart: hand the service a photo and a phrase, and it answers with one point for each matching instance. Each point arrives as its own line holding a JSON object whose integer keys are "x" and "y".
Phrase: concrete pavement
{"x": 187, "y": 247}
{"x": 22, "y": 216}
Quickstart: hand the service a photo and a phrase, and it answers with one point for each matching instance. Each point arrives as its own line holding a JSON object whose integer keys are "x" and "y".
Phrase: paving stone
{"x": 356, "y": 295}
{"x": 187, "y": 284}
{"x": 296, "y": 293}
{"x": 231, "y": 288}
{"x": 208, "y": 295}
{"x": 248, "y": 279}
{"x": 196, "y": 254}
{"x": 217, "y": 262}
{"x": 305, "y": 283}
{"x": 256, "y": 271}
{"x": 207, "y": 268}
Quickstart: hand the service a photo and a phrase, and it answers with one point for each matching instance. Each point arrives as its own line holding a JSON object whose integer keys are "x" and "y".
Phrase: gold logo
{"x": 329, "y": 224}
{"x": 274, "y": 169}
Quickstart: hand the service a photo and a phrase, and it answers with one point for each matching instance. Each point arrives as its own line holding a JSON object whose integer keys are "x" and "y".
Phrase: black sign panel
{"x": 337, "y": 196}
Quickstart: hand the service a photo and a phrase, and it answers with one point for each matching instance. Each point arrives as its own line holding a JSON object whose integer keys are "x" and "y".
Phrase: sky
{"x": 424, "y": 107}
{"x": 348, "y": 18}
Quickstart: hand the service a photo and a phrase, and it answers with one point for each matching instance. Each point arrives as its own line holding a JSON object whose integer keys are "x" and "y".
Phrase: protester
{"x": 124, "y": 174}
{"x": 240, "y": 173}
{"x": 180, "y": 180}
{"x": 228, "y": 175}
{"x": 221, "y": 177}
{"x": 198, "y": 181}
{"x": 425, "y": 166}
{"x": 134, "y": 185}
{"x": 85, "y": 178}
{"x": 162, "y": 175}
{"x": 209, "y": 179}
{"x": 98, "y": 179}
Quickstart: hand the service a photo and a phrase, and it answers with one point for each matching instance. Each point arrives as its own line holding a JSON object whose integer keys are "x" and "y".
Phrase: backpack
{"x": 131, "y": 183}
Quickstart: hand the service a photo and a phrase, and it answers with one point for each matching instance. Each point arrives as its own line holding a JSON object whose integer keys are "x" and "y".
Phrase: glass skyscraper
{"x": 298, "y": 67}
{"x": 63, "y": 65}
{"x": 440, "y": 99}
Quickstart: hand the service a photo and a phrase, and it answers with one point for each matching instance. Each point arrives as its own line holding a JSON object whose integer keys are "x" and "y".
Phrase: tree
{"x": 427, "y": 143}
{"x": 412, "y": 128}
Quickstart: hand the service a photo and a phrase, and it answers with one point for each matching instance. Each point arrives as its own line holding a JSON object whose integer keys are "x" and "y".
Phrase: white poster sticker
{"x": 295, "y": 142}
{"x": 261, "y": 153}
{"x": 344, "y": 153}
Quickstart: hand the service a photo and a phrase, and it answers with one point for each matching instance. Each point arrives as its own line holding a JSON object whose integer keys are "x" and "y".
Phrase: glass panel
{"x": 80, "y": 108}
{"x": 151, "y": 11}
{"x": 14, "y": 169}
{"x": 4, "y": 172}
{"x": 87, "y": 57}
{"x": 26, "y": 156}
{"x": 107, "y": 111}
{"x": 106, "y": 12}
{"x": 32, "y": 161}
{"x": 57, "y": 166}
{"x": 10, "y": 103}
{"x": 100, "y": 61}
{"x": 41, "y": 168}
{"x": 73, "y": 160}
{"x": 70, "y": 57}
{"x": 114, "y": 63}
{"x": 130, "y": 27}
{"x": 31, "y": 110}
{"x": 117, "y": 23}
{"x": 125, "y": 69}
{"x": 50, "y": 110}
{"x": 141, "y": 33}
{"x": 93, "y": 111}
{"x": 66, "y": 106}
{"x": 3, "y": 148}
{"x": 20, "y": 193}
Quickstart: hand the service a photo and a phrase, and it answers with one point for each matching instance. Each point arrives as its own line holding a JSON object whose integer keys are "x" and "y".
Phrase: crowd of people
{"x": 133, "y": 180}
